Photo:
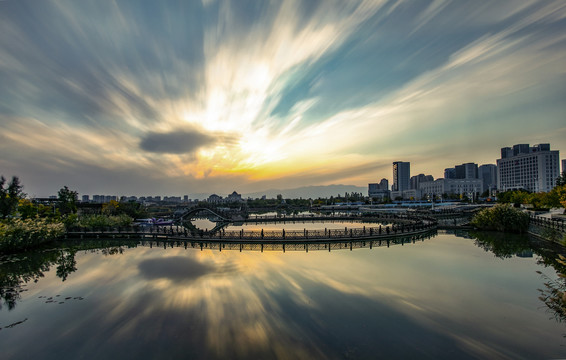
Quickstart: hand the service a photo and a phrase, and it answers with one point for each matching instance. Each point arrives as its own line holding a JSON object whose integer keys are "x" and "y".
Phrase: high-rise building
{"x": 420, "y": 178}
{"x": 488, "y": 174}
{"x": 450, "y": 173}
{"x": 563, "y": 165}
{"x": 467, "y": 171}
{"x": 401, "y": 176}
{"x": 379, "y": 190}
{"x": 531, "y": 168}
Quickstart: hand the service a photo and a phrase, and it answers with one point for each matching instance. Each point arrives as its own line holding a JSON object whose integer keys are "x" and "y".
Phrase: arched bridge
{"x": 191, "y": 212}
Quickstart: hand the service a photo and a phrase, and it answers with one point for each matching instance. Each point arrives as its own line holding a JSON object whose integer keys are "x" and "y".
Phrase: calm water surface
{"x": 447, "y": 297}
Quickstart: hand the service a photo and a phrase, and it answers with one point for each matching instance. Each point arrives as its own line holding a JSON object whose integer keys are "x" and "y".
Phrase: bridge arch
{"x": 191, "y": 212}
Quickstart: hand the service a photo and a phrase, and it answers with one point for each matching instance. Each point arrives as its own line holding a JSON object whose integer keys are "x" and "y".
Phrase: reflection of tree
{"x": 505, "y": 245}
{"x": 15, "y": 272}
{"x": 66, "y": 264}
{"x": 18, "y": 270}
{"x": 502, "y": 245}
{"x": 554, "y": 294}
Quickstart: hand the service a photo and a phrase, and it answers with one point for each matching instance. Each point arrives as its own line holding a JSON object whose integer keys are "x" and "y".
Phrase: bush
{"x": 18, "y": 234}
{"x": 502, "y": 217}
{"x": 103, "y": 221}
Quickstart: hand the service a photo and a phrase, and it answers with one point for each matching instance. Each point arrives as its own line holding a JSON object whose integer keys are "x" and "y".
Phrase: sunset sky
{"x": 181, "y": 97}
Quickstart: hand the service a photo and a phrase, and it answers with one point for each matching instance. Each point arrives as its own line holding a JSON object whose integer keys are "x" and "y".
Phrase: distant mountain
{"x": 307, "y": 192}
{"x": 304, "y": 192}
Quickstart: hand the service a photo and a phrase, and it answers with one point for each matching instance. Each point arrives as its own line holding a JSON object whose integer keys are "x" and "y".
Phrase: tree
{"x": 10, "y": 196}
{"x": 561, "y": 180}
{"x": 67, "y": 200}
{"x": 560, "y": 193}
{"x": 111, "y": 207}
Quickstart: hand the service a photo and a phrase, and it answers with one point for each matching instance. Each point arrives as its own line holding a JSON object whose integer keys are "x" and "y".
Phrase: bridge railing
{"x": 405, "y": 224}
{"x": 556, "y": 224}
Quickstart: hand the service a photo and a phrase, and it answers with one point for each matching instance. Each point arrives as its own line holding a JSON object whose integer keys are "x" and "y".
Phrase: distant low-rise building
{"x": 214, "y": 199}
{"x": 234, "y": 197}
{"x": 467, "y": 187}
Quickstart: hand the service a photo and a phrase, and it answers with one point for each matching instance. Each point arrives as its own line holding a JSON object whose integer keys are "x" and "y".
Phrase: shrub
{"x": 502, "y": 217}
{"x": 103, "y": 221}
{"x": 18, "y": 234}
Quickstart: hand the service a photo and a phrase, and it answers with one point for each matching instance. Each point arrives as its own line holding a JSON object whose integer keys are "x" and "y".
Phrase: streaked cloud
{"x": 215, "y": 96}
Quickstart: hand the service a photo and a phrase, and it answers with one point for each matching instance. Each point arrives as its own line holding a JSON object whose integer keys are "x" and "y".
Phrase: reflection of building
{"x": 401, "y": 176}
{"x": 531, "y": 168}
{"x": 525, "y": 254}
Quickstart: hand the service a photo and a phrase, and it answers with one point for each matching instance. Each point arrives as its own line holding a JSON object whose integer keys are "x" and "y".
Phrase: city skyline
{"x": 212, "y": 97}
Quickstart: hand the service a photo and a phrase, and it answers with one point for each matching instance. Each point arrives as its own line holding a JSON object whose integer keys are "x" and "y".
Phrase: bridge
{"x": 191, "y": 212}
{"x": 250, "y": 245}
{"x": 394, "y": 225}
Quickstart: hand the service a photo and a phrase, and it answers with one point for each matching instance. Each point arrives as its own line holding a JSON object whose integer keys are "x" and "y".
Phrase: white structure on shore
{"x": 530, "y": 168}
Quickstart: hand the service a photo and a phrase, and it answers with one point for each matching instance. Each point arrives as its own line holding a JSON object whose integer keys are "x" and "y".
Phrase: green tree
{"x": 561, "y": 180}
{"x": 111, "y": 207}
{"x": 67, "y": 200}
{"x": 502, "y": 217}
{"x": 132, "y": 209}
{"x": 10, "y": 196}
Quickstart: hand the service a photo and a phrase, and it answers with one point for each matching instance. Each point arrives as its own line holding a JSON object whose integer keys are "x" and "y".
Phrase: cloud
{"x": 223, "y": 95}
{"x": 176, "y": 142}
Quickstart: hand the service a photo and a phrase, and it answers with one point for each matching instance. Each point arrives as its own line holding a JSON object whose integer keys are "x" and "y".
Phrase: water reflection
{"x": 439, "y": 298}
{"x": 21, "y": 269}
{"x": 178, "y": 269}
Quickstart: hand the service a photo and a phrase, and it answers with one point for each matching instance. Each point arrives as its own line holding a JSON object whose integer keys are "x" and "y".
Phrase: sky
{"x": 180, "y": 97}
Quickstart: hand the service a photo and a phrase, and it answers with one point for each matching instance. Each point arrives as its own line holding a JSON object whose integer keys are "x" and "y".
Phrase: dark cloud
{"x": 176, "y": 142}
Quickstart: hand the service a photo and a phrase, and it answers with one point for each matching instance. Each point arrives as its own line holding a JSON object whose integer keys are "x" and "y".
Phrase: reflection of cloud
{"x": 178, "y": 269}
{"x": 224, "y": 304}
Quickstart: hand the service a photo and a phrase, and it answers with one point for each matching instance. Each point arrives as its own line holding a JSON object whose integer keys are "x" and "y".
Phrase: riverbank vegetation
{"x": 555, "y": 198}
{"x": 25, "y": 224}
{"x": 22, "y": 234}
{"x": 502, "y": 217}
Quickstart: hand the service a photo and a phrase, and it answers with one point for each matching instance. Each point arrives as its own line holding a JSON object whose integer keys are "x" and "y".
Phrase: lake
{"x": 450, "y": 296}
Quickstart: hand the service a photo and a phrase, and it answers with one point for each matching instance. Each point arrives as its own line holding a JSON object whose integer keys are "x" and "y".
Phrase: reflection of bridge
{"x": 307, "y": 246}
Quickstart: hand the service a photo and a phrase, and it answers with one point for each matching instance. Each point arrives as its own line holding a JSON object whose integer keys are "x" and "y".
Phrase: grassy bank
{"x": 19, "y": 234}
